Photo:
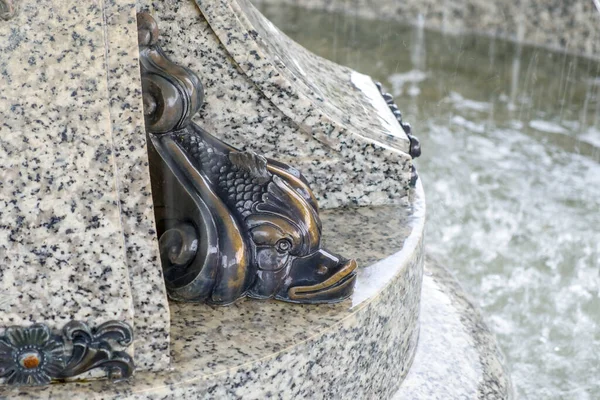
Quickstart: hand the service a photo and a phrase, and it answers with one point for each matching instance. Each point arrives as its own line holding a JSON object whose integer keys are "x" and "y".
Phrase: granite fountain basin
{"x": 361, "y": 347}
{"x": 263, "y": 93}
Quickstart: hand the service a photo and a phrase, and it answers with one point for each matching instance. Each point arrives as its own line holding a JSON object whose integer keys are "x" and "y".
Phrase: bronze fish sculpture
{"x": 231, "y": 223}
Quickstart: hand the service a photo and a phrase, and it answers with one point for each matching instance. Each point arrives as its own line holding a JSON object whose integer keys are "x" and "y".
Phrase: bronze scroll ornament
{"x": 36, "y": 356}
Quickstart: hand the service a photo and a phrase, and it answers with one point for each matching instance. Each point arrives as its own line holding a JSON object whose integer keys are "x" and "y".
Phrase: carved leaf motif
{"x": 34, "y": 356}
{"x": 91, "y": 349}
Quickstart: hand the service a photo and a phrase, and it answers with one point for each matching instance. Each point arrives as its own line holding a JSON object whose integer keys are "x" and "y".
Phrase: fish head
{"x": 285, "y": 230}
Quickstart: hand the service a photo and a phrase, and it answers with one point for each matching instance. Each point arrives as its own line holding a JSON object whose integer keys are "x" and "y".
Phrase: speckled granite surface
{"x": 457, "y": 356}
{"x": 286, "y": 104}
{"x": 304, "y": 86}
{"x": 135, "y": 197}
{"x": 559, "y": 24}
{"x": 360, "y": 348}
{"x": 60, "y": 240}
{"x": 73, "y": 155}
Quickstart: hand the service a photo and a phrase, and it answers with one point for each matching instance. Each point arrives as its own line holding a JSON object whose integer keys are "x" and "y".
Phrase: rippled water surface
{"x": 511, "y": 168}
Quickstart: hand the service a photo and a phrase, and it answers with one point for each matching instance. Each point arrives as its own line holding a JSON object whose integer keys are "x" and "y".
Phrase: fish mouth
{"x": 336, "y": 288}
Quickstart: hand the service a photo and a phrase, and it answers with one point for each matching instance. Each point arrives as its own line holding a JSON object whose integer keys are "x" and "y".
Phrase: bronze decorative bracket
{"x": 231, "y": 223}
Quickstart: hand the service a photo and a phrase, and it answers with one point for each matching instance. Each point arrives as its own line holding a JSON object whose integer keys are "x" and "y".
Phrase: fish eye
{"x": 283, "y": 245}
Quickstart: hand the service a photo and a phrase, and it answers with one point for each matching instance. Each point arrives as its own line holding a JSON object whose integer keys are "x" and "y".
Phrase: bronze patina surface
{"x": 36, "y": 356}
{"x": 231, "y": 223}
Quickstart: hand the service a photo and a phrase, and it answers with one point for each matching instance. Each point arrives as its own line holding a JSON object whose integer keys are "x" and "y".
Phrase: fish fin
{"x": 253, "y": 163}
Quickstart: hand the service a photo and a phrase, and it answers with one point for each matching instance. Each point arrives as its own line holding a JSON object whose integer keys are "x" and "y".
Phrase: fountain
{"x": 153, "y": 150}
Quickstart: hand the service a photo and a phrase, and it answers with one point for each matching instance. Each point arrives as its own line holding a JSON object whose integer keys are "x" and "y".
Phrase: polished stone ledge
{"x": 572, "y": 26}
{"x": 267, "y": 94}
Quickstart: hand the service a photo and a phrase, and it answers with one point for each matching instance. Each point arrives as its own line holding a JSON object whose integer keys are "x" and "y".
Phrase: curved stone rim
{"x": 366, "y": 314}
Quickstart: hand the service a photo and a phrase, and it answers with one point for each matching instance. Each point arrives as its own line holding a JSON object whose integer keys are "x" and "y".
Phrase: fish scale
{"x": 234, "y": 184}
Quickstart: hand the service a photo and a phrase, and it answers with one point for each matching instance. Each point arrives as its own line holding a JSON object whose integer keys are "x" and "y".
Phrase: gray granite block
{"x": 61, "y": 244}
{"x": 266, "y": 93}
{"x": 74, "y": 157}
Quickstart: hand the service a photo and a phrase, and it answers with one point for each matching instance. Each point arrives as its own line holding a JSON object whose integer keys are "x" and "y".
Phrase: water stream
{"x": 511, "y": 169}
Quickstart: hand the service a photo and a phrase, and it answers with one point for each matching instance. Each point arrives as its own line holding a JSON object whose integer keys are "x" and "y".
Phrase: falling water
{"x": 511, "y": 167}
